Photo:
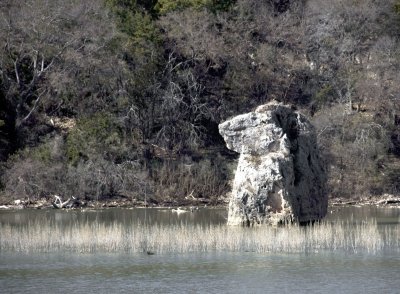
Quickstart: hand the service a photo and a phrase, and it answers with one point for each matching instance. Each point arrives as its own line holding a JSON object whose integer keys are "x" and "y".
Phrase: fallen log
{"x": 59, "y": 204}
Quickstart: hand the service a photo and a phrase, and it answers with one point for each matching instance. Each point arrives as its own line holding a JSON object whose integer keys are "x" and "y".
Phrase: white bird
{"x": 179, "y": 210}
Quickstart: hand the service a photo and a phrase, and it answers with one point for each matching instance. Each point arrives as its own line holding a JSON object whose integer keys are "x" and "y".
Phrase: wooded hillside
{"x": 123, "y": 97}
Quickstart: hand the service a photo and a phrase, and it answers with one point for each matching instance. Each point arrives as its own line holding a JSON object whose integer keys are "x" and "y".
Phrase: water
{"x": 383, "y": 216}
{"x": 127, "y": 217}
{"x": 200, "y": 273}
{"x": 215, "y": 272}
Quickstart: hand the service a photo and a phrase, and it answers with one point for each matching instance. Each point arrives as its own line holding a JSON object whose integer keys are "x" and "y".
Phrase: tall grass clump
{"x": 182, "y": 238}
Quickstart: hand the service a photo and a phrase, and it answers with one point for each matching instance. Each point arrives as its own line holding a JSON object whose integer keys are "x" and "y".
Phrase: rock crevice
{"x": 279, "y": 177}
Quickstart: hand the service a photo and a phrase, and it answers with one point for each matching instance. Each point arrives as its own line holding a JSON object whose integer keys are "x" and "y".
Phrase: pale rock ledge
{"x": 279, "y": 177}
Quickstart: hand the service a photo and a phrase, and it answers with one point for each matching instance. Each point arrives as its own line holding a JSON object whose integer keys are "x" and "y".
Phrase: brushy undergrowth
{"x": 116, "y": 237}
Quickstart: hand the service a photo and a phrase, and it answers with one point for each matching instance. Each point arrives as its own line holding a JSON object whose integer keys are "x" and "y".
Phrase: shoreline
{"x": 120, "y": 202}
{"x": 385, "y": 200}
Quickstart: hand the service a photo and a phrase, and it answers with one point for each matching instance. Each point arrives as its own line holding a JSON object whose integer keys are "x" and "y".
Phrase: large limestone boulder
{"x": 279, "y": 177}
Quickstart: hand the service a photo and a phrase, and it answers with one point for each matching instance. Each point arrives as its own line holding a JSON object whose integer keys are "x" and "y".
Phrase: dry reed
{"x": 115, "y": 237}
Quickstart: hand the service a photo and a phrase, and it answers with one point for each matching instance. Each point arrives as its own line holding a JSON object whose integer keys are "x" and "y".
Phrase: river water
{"x": 212, "y": 272}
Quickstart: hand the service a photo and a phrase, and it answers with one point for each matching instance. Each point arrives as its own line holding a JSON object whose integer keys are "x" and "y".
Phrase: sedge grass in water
{"x": 115, "y": 237}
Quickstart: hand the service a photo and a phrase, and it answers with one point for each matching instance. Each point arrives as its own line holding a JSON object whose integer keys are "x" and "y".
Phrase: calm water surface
{"x": 128, "y": 217}
{"x": 200, "y": 273}
{"x": 227, "y": 272}
{"x": 203, "y": 216}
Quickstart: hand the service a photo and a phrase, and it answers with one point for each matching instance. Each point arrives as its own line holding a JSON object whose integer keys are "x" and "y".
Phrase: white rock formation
{"x": 279, "y": 177}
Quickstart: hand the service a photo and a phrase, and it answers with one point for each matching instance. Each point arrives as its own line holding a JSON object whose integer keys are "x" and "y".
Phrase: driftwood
{"x": 71, "y": 202}
{"x": 389, "y": 201}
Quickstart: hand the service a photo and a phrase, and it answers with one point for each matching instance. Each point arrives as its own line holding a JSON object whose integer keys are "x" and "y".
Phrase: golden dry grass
{"x": 115, "y": 237}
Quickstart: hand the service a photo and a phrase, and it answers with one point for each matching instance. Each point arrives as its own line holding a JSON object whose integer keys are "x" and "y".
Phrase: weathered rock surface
{"x": 279, "y": 177}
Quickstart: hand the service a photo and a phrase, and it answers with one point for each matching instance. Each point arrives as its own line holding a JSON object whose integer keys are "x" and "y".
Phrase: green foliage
{"x": 41, "y": 153}
{"x": 396, "y": 7}
{"x": 98, "y": 134}
{"x": 148, "y": 5}
{"x": 134, "y": 22}
{"x": 165, "y": 6}
{"x": 221, "y": 5}
{"x": 324, "y": 95}
{"x": 140, "y": 42}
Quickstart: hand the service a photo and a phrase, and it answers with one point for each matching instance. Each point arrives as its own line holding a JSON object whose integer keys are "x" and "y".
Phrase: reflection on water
{"x": 200, "y": 273}
{"x": 148, "y": 216}
{"x": 383, "y": 215}
{"x": 203, "y": 216}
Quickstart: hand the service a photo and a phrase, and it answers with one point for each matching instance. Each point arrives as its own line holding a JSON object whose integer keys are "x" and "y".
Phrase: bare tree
{"x": 43, "y": 44}
{"x": 182, "y": 108}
